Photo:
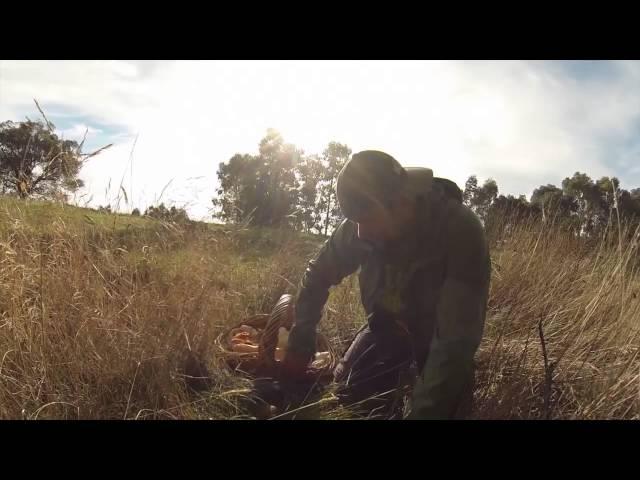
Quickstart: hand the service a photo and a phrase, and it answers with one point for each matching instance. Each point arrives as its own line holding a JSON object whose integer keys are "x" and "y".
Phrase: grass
{"x": 100, "y": 313}
{"x": 579, "y": 300}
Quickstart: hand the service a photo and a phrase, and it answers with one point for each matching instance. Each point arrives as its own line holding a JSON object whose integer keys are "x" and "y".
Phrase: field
{"x": 100, "y": 313}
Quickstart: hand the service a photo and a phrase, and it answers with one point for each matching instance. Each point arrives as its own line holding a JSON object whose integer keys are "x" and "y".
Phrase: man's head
{"x": 371, "y": 191}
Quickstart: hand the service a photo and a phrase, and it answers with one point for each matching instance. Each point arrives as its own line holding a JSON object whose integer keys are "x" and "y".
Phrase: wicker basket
{"x": 263, "y": 362}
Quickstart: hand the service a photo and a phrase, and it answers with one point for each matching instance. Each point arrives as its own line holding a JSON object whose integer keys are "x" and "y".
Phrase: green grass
{"x": 40, "y": 215}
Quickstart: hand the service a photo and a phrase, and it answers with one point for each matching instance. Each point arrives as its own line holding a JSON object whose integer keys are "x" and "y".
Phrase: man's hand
{"x": 294, "y": 366}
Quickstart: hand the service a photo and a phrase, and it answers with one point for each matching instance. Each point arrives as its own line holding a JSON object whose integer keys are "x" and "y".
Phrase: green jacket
{"x": 435, "y": 288}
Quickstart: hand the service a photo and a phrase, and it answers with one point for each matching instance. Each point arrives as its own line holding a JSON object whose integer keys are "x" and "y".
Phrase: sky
{"x": 523, "y": 123}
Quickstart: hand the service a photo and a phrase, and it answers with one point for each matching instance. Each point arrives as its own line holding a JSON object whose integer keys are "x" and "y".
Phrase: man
{"x": 424, "y": 280}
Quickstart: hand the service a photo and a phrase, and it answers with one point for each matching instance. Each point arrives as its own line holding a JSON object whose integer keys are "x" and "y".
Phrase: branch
{"x": 26, "y": 150}
{"x": 548, "y": 374}
{"x": 49, "y": 124}
{"x": 84, "y": 137}
{"x": 45, "y": 171}
{"x": 93, "y": 154}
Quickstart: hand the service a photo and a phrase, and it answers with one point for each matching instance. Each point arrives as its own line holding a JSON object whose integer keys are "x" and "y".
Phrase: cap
{"x": 369, "y": 177}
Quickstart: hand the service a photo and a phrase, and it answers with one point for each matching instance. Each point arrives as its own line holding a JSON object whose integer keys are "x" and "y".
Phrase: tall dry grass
{"x": 99, "y": 319}
{"x": 561, "y": 339}
{"x": 100, "y": 316}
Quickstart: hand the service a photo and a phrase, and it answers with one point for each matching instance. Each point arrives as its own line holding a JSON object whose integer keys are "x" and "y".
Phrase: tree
{"x": 505, "y": 212}
{"x": 237, "y": 193}
{"x": 617, "y": 202}
{"x": 282, "y": 186}
{"x": 592, "y": 203}
{"x": 581, "y": 188}
{"x": 135, "y": 212}
{"x": 470, "y": 189}
{"x": 276, "y": 180}
{"x": 310, "y": 171}
{"x": 480, "y": 199}
{"x": 607, "y": 195}
{"x": 553, "y": 203}
{"x": 517, "y": 207}
{"x": 629, "y": 205}
{"x": 334, "y": 158}
{"x": 261, "y": 189}
{"x": 173, "y": 214}
{"x": 34, "y": 161}
{"x": 318, "y": 207}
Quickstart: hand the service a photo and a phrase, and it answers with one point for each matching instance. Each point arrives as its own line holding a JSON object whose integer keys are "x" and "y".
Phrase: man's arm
{"x": 340, "y": 256}
{"x": 459, "y": 324}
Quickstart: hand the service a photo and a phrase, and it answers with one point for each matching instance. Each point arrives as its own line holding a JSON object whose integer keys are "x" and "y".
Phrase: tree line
{"x": 283, "y": 186}
{"x": 586, "y": 205}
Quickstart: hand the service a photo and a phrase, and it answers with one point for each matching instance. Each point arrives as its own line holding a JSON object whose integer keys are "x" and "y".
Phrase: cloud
{"x": 522, "y": 123}
{"x": 545, "y": 122}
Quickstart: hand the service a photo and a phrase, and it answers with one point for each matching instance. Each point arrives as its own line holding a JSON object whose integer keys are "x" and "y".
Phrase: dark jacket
{"x": 433, "y": 290}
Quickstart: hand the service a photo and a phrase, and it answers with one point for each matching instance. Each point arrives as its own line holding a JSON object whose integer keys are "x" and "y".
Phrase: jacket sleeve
{"x": 460, "y": 316}
{"x": 339, "y": 257}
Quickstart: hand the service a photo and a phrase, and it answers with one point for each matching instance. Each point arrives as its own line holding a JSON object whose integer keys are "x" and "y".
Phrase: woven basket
{"x": 246, "y": 361}
{"x": 264, "y": 362}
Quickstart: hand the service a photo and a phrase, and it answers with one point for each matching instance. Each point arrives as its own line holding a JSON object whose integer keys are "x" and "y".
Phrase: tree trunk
{"x": 326, "y": 220}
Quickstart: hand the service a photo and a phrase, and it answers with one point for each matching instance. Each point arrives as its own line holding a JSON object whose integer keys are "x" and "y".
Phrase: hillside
{"x": 99, "y": 313}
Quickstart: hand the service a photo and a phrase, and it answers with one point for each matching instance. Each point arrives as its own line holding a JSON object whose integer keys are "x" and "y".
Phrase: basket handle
{"x": 281, "y": 316}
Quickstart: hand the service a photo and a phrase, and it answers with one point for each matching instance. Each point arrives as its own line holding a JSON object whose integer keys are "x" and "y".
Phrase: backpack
{"x": 450, "y": 189}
